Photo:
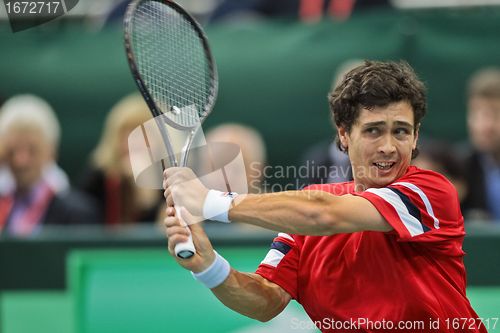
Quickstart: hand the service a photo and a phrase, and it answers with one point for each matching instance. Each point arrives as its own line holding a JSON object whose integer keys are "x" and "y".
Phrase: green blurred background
{"x": 274, "y": 75}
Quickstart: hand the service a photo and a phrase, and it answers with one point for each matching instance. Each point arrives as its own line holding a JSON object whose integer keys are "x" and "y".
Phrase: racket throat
{"x": 187, "y": 146}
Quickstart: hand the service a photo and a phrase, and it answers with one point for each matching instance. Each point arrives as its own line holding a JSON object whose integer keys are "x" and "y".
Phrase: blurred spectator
{"x": 51, "y": 173}
{"x": 252, "y": 148}
{"x": 248, "y": 10}
{"x": 5, "y": 176}
{"x": 324, "y": 161}
{"x": 440, "y": 156}
{"x": 253, "y": 151}
{"x": 109, "y": 176}
{"x": 483, "y": 162}
{"x": 200, "y": 10}
{"x": 35, "y": 191}
{"x": 305, "y": 10}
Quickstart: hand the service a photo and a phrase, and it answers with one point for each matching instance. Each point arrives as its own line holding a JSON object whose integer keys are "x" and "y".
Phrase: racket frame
{"x": 141, "y": 84}
{"x": 155, "y": 110}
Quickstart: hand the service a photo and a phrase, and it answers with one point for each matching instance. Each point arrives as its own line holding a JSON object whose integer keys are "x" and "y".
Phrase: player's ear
{"x": 415, "y": 140}
{"x": 343, "y": 136}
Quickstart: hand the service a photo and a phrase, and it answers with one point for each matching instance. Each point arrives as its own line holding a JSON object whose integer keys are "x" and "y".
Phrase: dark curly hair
{"x": 376, "y": 84}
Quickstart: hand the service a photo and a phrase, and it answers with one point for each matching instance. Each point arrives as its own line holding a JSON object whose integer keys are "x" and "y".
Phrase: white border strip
{"x": 273, "y": 258}
{"x": 424, "y": 198}
{"x": 413, "y": 225}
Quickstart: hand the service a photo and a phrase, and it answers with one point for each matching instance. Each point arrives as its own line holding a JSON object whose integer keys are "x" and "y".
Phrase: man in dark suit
{"x": 483, "y": 163}
{"x": 29, "y": 133}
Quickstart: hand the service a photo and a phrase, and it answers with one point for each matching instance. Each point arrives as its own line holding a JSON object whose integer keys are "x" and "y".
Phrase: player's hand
{"x": 176, "y": 233}
{"x": 184, "y": 188}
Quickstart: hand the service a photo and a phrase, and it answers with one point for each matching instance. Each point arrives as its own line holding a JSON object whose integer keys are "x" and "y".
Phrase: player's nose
{"x": 387, "y": 145}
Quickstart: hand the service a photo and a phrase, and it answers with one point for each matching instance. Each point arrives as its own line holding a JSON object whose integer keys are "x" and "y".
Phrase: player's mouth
{"x": 384, "y": 166}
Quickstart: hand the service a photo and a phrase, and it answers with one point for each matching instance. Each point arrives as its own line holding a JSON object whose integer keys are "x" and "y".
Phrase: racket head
{"x": 170, "y": 59}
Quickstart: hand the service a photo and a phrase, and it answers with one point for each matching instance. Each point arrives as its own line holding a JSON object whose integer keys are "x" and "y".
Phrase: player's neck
{"x": 359, "y": 186}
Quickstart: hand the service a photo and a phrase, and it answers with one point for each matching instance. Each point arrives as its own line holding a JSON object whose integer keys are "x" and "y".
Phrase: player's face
{"x": 483, "y": 121}
{"x": 26, "y": 153}
{"x": 380, "y": 144}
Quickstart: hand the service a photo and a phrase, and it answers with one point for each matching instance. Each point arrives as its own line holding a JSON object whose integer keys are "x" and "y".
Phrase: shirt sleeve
{"x": 281, "y": 263}
{"x": 421, "y": 207}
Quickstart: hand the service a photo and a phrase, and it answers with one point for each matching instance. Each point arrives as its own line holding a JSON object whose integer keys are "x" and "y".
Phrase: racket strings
{"x": 184, "y": 73}
{"x": 172, "y": 62}
{"x": 156, "y": 70}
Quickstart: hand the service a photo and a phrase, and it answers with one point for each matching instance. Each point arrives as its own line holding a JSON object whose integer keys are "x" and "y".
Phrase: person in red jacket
{"x": 380, "y": 253}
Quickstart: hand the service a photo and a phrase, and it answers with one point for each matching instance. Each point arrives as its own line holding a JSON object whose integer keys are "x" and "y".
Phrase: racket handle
{"x": 184, "y": 250}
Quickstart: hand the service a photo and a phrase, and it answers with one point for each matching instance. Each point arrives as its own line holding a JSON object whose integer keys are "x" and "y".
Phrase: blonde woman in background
{"x": 253, "y": 150}
{"x": 109, "y": 178}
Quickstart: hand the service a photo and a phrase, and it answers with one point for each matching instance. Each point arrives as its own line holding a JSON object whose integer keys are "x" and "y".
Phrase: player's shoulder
{"x": 428, "y": 188}
{"x": 284, "y": 242}
{"x": 425, "y": 178}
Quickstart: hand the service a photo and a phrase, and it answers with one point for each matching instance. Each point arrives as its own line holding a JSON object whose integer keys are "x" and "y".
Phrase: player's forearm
{"x": 295, "y": 212}
{"x": 251, "y": 295}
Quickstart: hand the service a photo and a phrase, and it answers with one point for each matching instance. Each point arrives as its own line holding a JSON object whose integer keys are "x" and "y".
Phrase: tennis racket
{"x": 170, "y": 59}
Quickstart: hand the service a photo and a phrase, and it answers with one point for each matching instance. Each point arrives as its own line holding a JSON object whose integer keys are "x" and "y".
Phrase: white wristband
{"x": 215, "y": 274}
{"x": 217, "y": 204}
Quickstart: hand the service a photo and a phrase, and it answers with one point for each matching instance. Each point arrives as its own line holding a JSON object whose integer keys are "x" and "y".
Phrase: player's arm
{"x": 252, "y": 295}
{"x": 295, "y": 212}
{"x": 246, "y": 293}
{"x": 308, "y": 213}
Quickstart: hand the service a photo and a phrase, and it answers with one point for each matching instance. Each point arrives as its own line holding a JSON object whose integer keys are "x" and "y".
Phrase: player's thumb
{"x": 200, "y": 238}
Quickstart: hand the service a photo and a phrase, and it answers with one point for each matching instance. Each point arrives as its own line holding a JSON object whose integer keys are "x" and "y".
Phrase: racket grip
{"x": 184, "y": 250}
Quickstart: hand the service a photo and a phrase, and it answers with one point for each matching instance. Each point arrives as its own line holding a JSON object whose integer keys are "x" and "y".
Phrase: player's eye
{"x": 402, "y": 131}
{"x": 372, "y": 131}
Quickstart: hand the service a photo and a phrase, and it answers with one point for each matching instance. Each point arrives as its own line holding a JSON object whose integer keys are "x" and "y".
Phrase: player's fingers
{"x": 170, "y": 211}
{"x": 168, "y": 172}
{"x": 168, "y": 182}
{"x": 166, "y": 192}
{"x": 177, "y": 175}
{"x": 197, "y": 231}
{"x": 171, "y": 221}
{"x": 169, "y": 200}
{"x": 174, "y": 240}
{"x": 169, "y": 175}
{"x": 176, "y": 230}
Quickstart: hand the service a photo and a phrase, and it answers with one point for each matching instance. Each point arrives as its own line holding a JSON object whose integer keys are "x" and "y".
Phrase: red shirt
{"x": 412, "y": 277}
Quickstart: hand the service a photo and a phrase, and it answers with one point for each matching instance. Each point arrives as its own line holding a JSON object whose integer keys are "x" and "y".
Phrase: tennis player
{"x": 381, "y": 253}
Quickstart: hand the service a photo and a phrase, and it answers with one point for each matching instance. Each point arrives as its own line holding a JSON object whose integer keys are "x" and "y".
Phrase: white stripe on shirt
{"x": 287, "y": 236}
{"x": 412, "y": 224}
{"x": 273, "y": 258}
{"x": 424, "y": 198}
